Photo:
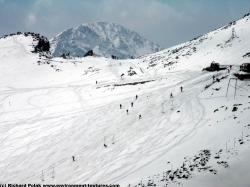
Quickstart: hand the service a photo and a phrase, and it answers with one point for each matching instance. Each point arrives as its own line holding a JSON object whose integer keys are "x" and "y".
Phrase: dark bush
{"x": 42, "y": 45}
{"x": 89, "y": 53}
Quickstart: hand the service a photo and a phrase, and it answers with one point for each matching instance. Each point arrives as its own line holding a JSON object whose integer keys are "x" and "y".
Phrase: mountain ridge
{"x": 106, "y": 39}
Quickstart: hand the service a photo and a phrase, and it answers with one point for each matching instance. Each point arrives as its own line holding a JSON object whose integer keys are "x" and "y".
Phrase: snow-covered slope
{"x": 105, "y": 39}
{"x": 226, "y": 45}
{"x": 53, "y": 109}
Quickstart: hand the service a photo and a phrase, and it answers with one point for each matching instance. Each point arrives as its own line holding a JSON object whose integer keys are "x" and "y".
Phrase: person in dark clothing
{"x": 171, "y": 95}
{"x": 136, "y": 97}
{"x": 127, "y": 111}
{"x": 181, "y": 89}
{"x": 140, "y": 116}
{"x": 120, "y": 106}
{"x": 213, "y": 77}
{"x": 132, "y": 104}
{"x": 73, "y": 158}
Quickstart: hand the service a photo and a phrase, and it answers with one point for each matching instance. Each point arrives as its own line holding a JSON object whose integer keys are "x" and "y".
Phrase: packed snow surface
{"x": 52, "y": 110}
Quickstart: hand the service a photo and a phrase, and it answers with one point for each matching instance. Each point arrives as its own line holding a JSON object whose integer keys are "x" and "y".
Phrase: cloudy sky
{"x": 166, "y": 22}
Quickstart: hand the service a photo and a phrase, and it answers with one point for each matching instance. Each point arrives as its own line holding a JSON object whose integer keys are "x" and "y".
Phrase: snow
{"x": 55, "y": 110}
{"x": 105, "y": 39}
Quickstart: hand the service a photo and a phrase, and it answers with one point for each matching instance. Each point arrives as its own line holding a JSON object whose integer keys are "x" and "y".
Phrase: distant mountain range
{"x": 105, "y": 39}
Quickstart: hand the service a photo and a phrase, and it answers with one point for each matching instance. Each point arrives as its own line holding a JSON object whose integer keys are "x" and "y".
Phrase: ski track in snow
{"x": 160, "y": 146}
{"x": 44, "y": 121}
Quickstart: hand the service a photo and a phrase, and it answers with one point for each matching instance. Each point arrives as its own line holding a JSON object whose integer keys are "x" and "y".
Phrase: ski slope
{"x": 56, "y": 110}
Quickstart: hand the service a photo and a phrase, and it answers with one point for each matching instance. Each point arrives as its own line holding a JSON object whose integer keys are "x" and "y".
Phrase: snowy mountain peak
{"x": 106, "y": 39}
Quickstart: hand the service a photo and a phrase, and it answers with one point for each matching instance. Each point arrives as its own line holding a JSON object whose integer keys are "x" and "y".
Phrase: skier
{"x": 181, "y": 88}
{"x": 132, "y": 104}
{"x": 73, "y": 158}
{"x": 140, "y": 116}
{"x": 122, "y": 75}
{"x": 127, "y": 111}
{"x": 171, "y": 95}
{"x": 95, "y": 82}
{"x": 213, "y": 78}
{"x": 120, "y": 106}
{"x": 113, "y": 139}
{"x": 104, "y": 142}
{"x": 136, "y": 97}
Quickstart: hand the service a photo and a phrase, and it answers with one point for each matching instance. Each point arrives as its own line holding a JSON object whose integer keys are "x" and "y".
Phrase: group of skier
{"x": 171, "y": 94}
{"x": 132, "y": 105}
{"x": 127, "y": 111}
